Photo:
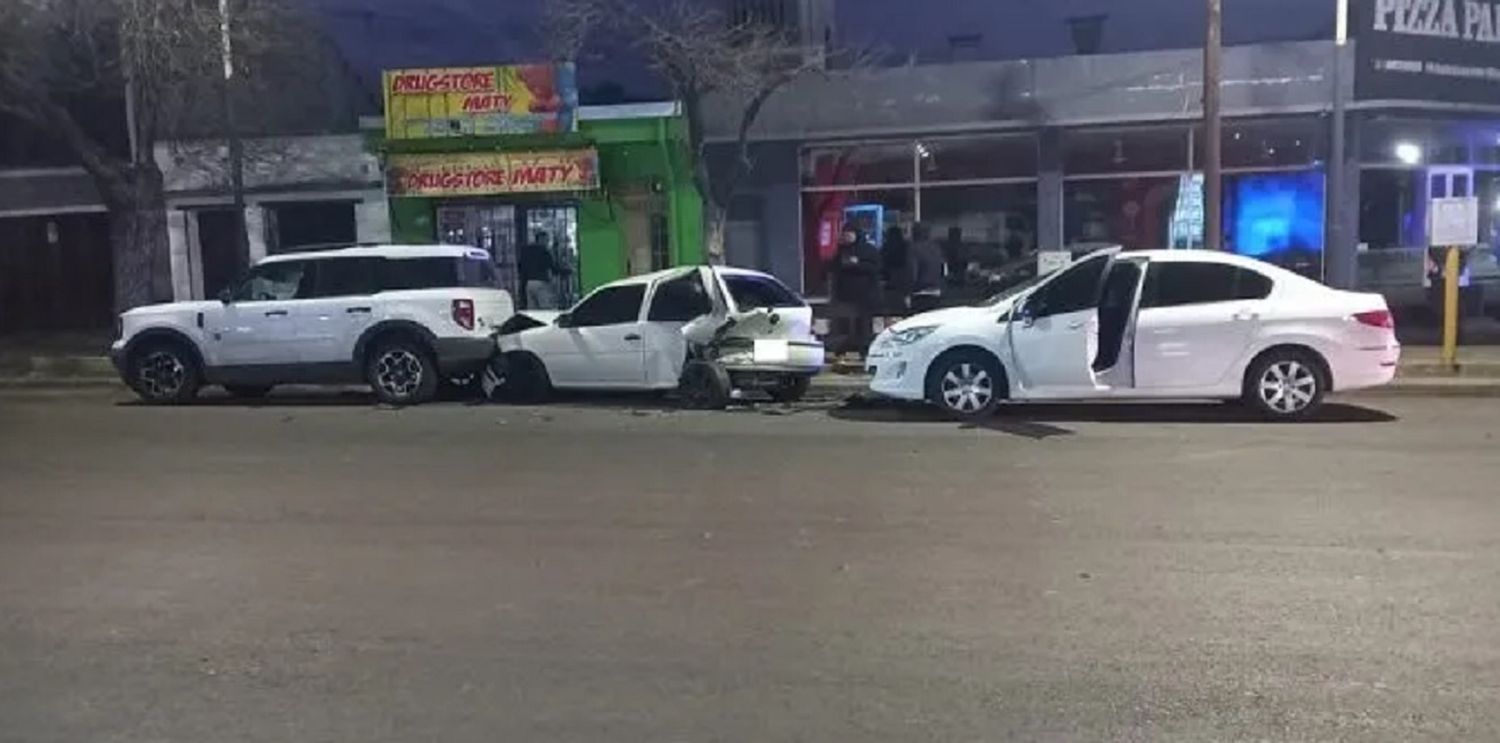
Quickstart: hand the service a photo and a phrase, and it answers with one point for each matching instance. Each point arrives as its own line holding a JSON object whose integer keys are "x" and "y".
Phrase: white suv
{"x": 401, "y": 318}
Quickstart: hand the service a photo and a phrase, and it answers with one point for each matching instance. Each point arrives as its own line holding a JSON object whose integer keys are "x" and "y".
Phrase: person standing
{"x": 856, "y": 287}
{"x": 929, "y": 270}
{"x": 895, "y": 269}
{"x": 538, "y": 267}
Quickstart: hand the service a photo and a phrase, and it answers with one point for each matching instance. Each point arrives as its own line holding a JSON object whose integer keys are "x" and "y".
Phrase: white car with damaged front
{"x": 1145, "y": 325}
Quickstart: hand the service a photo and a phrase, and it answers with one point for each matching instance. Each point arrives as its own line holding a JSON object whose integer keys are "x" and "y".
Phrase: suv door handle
{"x": 275, "y": 313}
{"x": 358, "y": 310}
{"x": 1246, "y": 316}
{"x": 633, "y": 337}
{"x": 1076, "y": 324}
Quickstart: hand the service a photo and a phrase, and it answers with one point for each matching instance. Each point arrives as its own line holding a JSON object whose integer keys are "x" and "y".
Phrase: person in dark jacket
{"x": 929, "y": 271}
{"x": 537, "y": 267}
{"x": 895, "y": 268}
{"x": 856, "y": 286}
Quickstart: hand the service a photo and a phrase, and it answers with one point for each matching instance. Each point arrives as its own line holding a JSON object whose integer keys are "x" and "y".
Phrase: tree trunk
{"x": 716, "y": 228}
{"x": 139, "y": 239}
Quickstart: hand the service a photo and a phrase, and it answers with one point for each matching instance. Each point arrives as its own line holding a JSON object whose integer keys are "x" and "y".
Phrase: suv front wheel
{"x": 402, "y": 372}
{"x": 164, "y": 373}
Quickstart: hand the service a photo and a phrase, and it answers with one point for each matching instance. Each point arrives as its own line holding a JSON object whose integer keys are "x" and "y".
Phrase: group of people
{"x": 870, "y": 281}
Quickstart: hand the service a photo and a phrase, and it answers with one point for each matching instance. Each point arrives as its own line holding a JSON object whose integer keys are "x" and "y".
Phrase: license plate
{"x": 772, "y": 351}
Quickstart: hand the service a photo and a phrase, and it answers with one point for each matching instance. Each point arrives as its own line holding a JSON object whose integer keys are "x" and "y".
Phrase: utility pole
{"x": 1213, "y": 134}
{"x": 232, "y": 133}
{"x": 1342, "y": 272}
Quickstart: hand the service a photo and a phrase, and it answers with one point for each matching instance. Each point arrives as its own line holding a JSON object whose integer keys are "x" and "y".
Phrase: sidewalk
{"x": 77, "y": 362}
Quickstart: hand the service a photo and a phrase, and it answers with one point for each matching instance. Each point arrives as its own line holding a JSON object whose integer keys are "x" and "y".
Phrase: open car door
{"x": 1054, "y": 334}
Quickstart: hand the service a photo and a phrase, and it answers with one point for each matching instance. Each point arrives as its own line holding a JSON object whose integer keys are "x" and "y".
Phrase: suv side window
{"x": 398, "y": 274}
{"x": 1181, "y": 283}
{"x": 276, "y": 282}
{"x": 614, "y": 305}
{"x": 682, "y": 299}
{"x": 1077, "y": 288}
{"x": 346, "y": 277}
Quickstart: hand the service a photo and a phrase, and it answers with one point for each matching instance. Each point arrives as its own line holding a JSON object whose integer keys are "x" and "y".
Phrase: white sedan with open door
{"x": 704, "y": 330}
{"x": 1179, "y": 324}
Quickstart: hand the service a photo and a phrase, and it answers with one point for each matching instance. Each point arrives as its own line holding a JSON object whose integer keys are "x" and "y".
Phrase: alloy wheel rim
{"x": 1288, "y": 386}
{"x": 399, "y": 373}
{"x": 162, "y": 374}
{"x": 968, "y": 388}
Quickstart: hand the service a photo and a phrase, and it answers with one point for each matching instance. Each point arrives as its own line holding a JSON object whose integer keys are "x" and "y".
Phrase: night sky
{"x": 378, "y": 34}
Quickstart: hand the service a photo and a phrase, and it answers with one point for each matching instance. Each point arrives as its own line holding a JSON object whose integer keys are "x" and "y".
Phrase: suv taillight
{"x": 1376, "y": 319}
{"x": 463, "y": 313}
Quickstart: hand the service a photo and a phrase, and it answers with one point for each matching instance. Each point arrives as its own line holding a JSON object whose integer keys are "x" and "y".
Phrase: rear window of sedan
{"x": 753, "y": 292}
{"x": 1179, "y": 283}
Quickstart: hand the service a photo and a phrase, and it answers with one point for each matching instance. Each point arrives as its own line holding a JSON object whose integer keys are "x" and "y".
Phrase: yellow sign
{"x": 480, "y": 101}
{"x": 486, "y": 173}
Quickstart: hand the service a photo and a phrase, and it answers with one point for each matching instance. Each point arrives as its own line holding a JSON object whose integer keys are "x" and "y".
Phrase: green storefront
{"x": 608, "y": 192}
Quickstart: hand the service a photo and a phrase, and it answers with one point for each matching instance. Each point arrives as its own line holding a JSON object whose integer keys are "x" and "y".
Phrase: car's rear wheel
{"x": 968, "y": 384}
{"x": 1285, "y": 385}
{"x": 165, "y": 373}
{"x": 790, "y": 389}
{"x": 402, "y": 372}
{"x": 248, "y": 391}
{"x": 704, "y": 386}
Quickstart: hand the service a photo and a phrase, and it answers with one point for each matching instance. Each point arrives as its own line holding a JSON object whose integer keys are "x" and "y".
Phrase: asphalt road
{"x": 323, "y": 570}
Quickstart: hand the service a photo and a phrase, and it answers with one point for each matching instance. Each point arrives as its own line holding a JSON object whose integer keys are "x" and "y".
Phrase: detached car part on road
{"x": 1178, "y": 324}
{"x": 705, "y": 331}
{"x": 404, "y": 319}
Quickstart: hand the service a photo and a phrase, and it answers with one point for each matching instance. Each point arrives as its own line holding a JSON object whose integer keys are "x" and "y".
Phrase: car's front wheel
{"x": 1285, "y": 385}
{"x": 402, "y": 372}
{"x": 704, "y": 386}
{"x": 165, "y": 373}
{"x": 968, "y": 384}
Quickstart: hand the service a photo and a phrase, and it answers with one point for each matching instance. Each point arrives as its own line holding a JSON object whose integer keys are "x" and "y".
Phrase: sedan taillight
{"x": 463, "y": 313}
{"x": 1376, "y": 319}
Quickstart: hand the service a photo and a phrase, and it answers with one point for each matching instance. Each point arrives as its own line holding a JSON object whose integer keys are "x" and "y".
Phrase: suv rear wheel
{"x": 165, "y": 373}
{"x": 402, "y": 372}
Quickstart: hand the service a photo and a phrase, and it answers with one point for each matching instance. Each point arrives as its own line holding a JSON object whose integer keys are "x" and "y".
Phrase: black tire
{"x": 463, "y": 387}
{"x": 1285, "y": 384}
{"x": 526, "y": 379}
{"x": 165, "y": 373}
{"x": 704, "y": 386}
{"x": 248, "y": 391}
{"x": 791, "y": 389}
{"x": 402, "y": 372}
{"x": 967, "y": 384}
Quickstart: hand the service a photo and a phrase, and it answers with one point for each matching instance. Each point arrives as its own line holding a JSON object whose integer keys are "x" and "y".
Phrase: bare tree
{"x": 151, "y": 63}
{"x": 707, "y": 58}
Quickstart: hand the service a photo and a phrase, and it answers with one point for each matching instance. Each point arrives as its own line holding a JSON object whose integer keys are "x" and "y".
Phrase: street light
{"x": 1213, "y": 185}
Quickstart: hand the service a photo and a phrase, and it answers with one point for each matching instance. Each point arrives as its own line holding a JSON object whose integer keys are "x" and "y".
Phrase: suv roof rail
{"x": 319, "y": 247}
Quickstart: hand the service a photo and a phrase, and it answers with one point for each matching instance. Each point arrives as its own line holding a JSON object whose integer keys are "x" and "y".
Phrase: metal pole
{"x": 232, "y": 133}
{"x": 1213, "y": 186}
{"x": 1343, "y": 273}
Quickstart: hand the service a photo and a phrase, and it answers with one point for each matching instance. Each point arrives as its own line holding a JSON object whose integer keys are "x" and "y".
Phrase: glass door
{"x": 555, "y": 228}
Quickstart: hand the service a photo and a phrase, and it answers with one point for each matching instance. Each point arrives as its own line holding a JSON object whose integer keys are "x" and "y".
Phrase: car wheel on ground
{"x": 967, "y": 384}
{"x": 526, "y": 379}
{"x": 164, "y": 373}
{"x": 704, "y": 386}
{"x": 402, "y": 372}
{"x": 790, "y": 389}
{"x": 1285, "y": 385}
{"x": 248, "y": 391}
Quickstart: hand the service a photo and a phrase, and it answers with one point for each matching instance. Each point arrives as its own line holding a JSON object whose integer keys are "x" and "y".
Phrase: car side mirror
{"x": 564, "y": 320}
{"x": 226, "y": 296}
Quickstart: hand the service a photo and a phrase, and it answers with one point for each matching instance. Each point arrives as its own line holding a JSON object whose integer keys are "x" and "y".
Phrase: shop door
{"x": 556, "y": 229}
{"x": 491, "y": 227}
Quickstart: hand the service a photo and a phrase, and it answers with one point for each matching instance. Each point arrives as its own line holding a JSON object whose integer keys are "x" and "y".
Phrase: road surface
{"x": 324, "y": 570}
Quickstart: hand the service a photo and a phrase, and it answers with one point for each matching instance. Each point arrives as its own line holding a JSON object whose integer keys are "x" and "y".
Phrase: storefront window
{"x": 874, "y": 212}
{"x": 1133, "y": 212}
{"x": 1274, "y": 143}
{"x": 987, "y": 234}
{"x": 1389, "y": 213}
{"x": 860, "y": 165}
{"x": 977, "y": 158}
{"x": 1126, "y": 150}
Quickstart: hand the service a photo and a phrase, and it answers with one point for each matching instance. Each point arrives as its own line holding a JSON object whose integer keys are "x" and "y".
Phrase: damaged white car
{"x": 705, "y": 331}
